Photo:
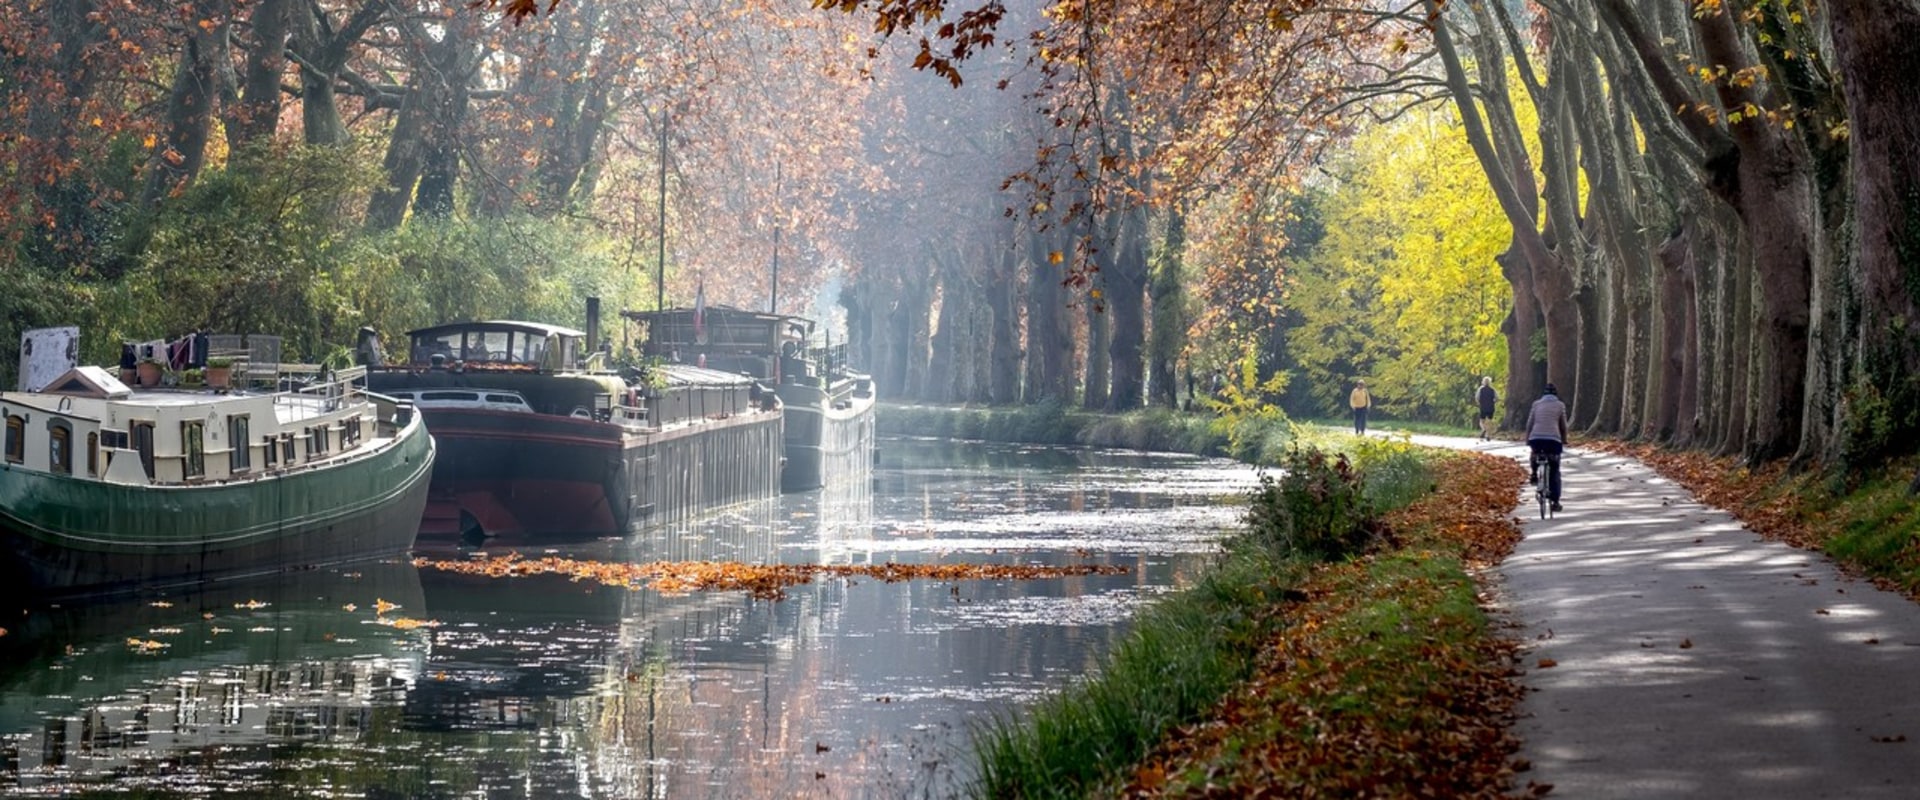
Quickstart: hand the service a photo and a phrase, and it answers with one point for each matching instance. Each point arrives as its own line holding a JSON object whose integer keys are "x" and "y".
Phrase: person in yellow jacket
{"x": 1360, "y": 401}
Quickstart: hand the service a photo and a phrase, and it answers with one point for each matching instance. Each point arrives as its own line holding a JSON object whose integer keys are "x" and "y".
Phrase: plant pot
{"x": 219, "y": 377}
{"x": 130, "y": 376}
{"x": 149, "y": 373}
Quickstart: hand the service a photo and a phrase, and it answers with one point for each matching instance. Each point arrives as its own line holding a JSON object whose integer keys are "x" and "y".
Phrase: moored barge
{"x": 107, "y": 488}
{"x": 830, "y": 429}
{"x": 542, "y": 439}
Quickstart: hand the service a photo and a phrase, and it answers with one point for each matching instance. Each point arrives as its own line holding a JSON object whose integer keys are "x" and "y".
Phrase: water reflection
{"x": 545, "y": 687}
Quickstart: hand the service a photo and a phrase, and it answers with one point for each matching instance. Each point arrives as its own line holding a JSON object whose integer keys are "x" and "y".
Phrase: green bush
{"x": 1318, "y": 508}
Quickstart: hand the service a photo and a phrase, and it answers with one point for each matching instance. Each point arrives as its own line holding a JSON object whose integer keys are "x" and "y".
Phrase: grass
{"x": 1184, "y": 653}
{"x": 1388, "y": 681}
{"x": 1188, "y": 652}
{"x": 1261, "y": 437}
{"x": 1258, "y": 438}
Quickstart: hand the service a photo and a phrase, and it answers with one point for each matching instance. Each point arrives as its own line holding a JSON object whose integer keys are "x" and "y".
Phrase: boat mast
{"x": 660, "y": 268}
{"x": 773, "y": 302}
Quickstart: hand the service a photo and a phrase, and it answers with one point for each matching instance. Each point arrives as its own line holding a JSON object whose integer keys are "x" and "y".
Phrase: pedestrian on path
{"x": 1361, "y": 401}
{"x": 1488, "y": 399}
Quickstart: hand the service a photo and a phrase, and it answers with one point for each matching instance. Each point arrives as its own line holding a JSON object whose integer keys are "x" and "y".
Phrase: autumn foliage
{"x": 766, "y": 581}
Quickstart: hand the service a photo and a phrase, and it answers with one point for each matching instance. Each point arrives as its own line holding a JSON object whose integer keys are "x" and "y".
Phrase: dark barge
{"x": 541, "y": 439}
{"x": 829, "y": 407}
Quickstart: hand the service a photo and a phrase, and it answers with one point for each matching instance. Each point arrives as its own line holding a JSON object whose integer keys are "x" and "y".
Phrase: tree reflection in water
{"x": 545, "y": 686}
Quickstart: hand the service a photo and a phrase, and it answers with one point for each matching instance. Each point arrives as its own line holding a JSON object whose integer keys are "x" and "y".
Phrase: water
{"x": 385, "y": 680}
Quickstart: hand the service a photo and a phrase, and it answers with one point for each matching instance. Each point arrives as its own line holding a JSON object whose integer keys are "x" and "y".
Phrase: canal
{"x": 391, "y": 680}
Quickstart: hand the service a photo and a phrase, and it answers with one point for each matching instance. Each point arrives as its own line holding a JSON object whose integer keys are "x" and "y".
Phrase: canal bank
{"x": 1378, "y": 675}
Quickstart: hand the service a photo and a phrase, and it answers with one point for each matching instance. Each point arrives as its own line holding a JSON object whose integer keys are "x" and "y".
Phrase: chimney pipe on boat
{"x": 593, "y": 328}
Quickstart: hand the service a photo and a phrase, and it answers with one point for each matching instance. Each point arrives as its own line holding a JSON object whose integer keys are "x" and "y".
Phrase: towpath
{"x": 1670, "y": 652}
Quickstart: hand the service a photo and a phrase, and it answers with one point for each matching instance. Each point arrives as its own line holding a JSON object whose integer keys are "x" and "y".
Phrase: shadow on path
{"x": 1673, "y": 653}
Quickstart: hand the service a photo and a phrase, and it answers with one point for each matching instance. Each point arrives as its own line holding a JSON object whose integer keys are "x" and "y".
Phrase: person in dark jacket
{"x": 1488, "y": 399}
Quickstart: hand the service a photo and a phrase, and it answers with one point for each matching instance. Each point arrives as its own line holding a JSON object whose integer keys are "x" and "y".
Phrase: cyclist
{"x": 1546, "y": 438}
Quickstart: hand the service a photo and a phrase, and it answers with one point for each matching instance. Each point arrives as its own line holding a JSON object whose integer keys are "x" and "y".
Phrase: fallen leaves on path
{"x": 1766, "y": 501}
{"x": 1725, "y": 482}
{"x": 767, "y": 581}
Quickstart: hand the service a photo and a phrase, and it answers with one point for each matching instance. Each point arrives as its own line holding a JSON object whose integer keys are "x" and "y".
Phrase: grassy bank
{"x": 1256, "y": 438}
{"x": 1387, "y": 654}
{"x": 1871, "y": 527}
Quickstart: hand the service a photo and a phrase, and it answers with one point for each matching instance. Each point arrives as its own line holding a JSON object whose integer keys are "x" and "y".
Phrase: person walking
{"x": 1361, "y": 401}
{"x": 1546, "y": 439}
{"x": 1488, "y": 399}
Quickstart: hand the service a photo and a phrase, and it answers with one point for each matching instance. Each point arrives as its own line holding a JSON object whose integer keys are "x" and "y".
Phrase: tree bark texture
{"x": 1877, "y": 48}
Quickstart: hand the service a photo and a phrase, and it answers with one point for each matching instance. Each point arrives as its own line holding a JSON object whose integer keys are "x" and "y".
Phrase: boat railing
{"x": 336, "y": 389}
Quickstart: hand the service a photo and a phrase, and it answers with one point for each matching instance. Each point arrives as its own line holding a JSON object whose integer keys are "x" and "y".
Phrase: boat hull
{"x": 825, "y": 441}
{"x": 538, "y": 476}
{"x": 70, "y": 537}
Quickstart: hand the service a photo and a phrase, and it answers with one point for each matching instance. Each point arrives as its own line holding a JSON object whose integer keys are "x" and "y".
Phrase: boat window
{"x": 468, "y": 396}
{"x": 489, "y": 346}
{"x": 113, "y": 439}
{"x": 93, "y": 454}
{"x": 142, "y": 435}
{"x": 193, "y": 443}
{"x": 16, "y": 438}
{"x": 60, "y": 448}
{"x": 509, "y": 399}
{"x": 241, "y": 457}
{"x": 271, "y": 449}
{"x": 287, "y": 453}
{"x": 349, "y": 433}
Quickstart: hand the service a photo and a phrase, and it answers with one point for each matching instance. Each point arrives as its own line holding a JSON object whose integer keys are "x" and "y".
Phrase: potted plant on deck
{"x": 148, "y": 372}
{"x": 219, "y": 373}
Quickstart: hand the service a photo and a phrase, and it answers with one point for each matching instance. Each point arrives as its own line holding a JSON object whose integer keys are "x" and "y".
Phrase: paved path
{"x": 1690, "y": 658}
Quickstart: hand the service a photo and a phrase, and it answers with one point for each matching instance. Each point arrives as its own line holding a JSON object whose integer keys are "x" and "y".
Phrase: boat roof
{"x": 540, "y": 329}
{"x": 716, "y": 310}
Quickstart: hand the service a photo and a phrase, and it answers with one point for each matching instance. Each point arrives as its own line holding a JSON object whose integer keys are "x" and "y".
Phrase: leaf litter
{"x": 765, "y": 581}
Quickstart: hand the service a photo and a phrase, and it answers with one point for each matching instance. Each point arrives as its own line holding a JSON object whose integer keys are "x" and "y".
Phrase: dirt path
{"x": 1673, "y": 653}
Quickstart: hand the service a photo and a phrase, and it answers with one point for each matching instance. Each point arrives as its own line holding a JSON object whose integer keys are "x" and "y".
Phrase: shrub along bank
{"x": 1337, "y": 649}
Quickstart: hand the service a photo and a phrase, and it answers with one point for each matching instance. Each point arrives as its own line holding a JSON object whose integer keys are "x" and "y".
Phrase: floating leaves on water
{"x": 160, "y": 604}
{"x": 3, "y": 631}
{"x": 163, "y": 631}
{"x": 252, "y": 605}
{"x": 759, "y": 580}
{"x": 407, "y": 623}
{"x": 146, "y": 646}
{"x": 382, "y": 606}
{"x": 350, "y": 608}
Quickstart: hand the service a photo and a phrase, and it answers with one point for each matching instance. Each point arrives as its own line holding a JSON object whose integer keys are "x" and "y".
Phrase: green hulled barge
{"x": 106, "y": 488}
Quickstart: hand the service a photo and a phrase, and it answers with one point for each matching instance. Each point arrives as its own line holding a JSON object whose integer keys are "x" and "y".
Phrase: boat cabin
{"x": 89, "y": 425}
{"x": 503, "y": 343}
{"x": 769, "y": 347}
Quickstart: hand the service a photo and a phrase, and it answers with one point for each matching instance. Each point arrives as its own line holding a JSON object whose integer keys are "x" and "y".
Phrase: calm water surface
{"x": 387, "y": 681}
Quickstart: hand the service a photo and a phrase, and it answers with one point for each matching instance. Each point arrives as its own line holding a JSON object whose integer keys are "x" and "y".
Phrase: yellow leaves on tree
{"x": 1403, "y": 288}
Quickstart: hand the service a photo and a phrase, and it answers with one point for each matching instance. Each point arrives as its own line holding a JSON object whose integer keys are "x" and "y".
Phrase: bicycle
{"x": 1548, "y": 493}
